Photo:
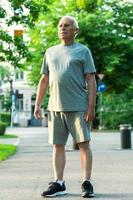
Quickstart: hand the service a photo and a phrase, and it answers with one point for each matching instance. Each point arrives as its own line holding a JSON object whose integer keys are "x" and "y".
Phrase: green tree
{"x": 15, "y": 50}
{"x": 105, "y": 27}
{"x": 106, "y": 33}
{"x": 4, "y": 72}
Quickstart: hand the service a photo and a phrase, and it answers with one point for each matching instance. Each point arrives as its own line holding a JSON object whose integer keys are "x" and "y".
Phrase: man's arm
{"x": 90, "y": 114}
{"x": 41, "y": 91}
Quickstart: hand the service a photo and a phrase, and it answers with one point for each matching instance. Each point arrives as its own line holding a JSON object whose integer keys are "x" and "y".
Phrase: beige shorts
{"x": 60, "y": 124}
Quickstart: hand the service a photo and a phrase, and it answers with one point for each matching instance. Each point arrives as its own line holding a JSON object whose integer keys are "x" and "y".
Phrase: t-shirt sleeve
{"x": 44, "y": 69}
{"x": 88, "y": 65}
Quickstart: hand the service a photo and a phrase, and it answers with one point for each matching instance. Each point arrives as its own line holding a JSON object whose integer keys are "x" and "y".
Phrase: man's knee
{"x": 58, "y": 147}
{"x": 84, "y": 145}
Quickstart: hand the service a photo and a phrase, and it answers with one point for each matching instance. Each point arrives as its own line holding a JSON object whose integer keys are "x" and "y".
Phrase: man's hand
{"x": 90, "y": 114}
{"x": 41, "y": 90}
{"x": 37, "y": 112}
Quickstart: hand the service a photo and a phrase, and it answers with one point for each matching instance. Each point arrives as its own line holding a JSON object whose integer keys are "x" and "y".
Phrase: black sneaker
{"x": 87, "y": 190}
{"x": 55, "y": 189}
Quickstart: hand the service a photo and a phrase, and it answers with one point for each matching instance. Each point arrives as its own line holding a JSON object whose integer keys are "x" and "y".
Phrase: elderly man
{"x": 69, "y": 70}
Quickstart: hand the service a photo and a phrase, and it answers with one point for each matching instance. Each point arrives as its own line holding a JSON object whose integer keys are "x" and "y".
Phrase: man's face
{"x": 66, "y": 29}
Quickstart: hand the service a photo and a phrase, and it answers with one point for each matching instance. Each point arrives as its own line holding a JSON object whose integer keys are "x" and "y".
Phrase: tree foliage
{"x": 13, "y": 49}
{"x": 25, "y": 12}
{"x": 105, "y": 27}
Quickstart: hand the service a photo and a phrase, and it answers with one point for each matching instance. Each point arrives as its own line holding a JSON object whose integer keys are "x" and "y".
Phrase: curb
{"x": 13, "y": 141}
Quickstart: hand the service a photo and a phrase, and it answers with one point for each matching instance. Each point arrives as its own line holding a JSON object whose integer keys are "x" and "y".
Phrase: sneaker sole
{"x": 55, "y": 194}
{"x": 88, "y": 195}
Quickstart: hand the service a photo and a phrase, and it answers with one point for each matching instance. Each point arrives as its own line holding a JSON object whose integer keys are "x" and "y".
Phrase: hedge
{"x": 3, "y": 126}
{"x": 5, "y": 117}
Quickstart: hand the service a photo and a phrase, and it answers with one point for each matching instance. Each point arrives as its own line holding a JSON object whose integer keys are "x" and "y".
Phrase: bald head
{"x": 72, "y": 19}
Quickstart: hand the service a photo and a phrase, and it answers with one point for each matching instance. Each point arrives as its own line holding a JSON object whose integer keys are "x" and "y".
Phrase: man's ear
{"x": 76, "y": 31}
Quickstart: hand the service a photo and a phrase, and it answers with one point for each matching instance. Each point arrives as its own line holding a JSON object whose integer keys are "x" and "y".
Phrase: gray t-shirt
{"x": 67, "y": 66}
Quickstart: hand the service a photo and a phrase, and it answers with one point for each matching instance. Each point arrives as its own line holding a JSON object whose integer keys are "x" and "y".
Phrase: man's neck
{"x": 67, "y": 41}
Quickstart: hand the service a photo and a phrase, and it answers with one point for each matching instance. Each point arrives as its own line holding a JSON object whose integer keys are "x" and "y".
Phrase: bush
{"x": 112, "y": 120}
{"x": 117, "y": 109}
{"x": 5, "y": 117}
{"x": 3, "y": 126}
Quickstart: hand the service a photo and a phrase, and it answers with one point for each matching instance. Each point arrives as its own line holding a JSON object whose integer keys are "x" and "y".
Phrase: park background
{"x": 29, "y": 27}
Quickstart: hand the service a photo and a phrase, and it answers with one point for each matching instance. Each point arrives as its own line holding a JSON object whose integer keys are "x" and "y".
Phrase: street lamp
{"x": 1, "y": 94}
{"x": 11, "y": 86}
{"x": 101, "y": 88}
{"x": 13, "y": 99}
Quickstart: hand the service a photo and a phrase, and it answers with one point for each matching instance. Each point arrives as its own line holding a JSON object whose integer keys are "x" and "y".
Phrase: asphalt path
{"x": 26, "y": 174}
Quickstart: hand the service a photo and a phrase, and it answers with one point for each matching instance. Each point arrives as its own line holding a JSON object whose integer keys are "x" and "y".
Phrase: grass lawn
{"x": 7, "y": 150}
{"x": 8, "y": 136}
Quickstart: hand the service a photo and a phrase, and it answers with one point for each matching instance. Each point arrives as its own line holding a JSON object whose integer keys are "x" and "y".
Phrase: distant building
{"x": 24, "y": 100}
{"x": 23, "y": 95}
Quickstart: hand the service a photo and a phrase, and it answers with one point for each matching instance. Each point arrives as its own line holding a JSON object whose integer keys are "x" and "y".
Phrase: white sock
{"x": 89, "y": 180}
{"x": 60, "y": 182}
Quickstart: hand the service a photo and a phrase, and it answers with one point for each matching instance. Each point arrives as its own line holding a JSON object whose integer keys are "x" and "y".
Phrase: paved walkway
{"x": 25, "y": 175}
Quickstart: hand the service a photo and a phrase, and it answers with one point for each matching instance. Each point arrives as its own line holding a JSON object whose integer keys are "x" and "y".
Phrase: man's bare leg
{"x": 59, "y": 161}
{"x": 86, "y": 159}
{"x": 86, "y": 163}
{"x": 57, "y": 187}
